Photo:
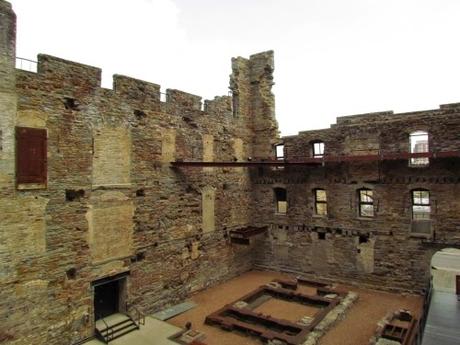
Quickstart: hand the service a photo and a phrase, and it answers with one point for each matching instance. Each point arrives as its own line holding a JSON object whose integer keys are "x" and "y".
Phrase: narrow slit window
{"x": 279, "y": 151}
{"x": 281, "y": 200}
{"x": 421, "y": 207}
{"x": 366, "y": 203}
{"x": 419, "y": 144}
{"x": 320, "y": 202}
{"x": 235, "y": 104}
{"x": 318, "y": 149}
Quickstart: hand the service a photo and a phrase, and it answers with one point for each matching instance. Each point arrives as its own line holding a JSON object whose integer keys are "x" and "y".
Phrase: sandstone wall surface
{"x": 112, "y": 203}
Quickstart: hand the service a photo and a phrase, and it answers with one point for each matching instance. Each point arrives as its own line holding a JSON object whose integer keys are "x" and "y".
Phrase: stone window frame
{"x": 420, "y": 204}
{"x": 317, "y": 201}
{"x": 364, "y": 202}
{"x": 278, "y": 157}
{"x": 322, "y": 148}
{"x": 421, "y": 162}
{"x": 278, "y": 210}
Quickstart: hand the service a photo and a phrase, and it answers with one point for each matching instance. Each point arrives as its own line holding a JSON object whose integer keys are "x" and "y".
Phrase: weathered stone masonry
{"x": 112, "y": 203}
{"x": 379, "y": 251}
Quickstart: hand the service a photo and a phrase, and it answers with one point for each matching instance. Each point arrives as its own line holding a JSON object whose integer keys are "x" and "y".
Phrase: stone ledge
{"x": 335, "y": 315}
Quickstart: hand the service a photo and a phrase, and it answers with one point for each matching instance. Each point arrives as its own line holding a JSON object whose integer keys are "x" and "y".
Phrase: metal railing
{"x": 26, "y": 64}
{"x": 135, "y": 314}
{"x": 108, "y": 332}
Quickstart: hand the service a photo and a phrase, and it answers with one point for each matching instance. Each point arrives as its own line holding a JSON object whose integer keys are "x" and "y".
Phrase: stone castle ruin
{"x": 165, "y": 198}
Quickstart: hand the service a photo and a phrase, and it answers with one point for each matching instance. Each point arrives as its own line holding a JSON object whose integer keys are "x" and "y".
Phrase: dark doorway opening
{"x": 106, "y": 299}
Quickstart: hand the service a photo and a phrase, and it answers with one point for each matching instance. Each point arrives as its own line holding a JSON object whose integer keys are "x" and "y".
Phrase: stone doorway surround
{"x": 109, "y": 295}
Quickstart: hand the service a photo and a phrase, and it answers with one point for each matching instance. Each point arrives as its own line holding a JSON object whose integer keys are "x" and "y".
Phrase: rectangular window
{"x": 31, "y": 151}
{"x": 419, "y": 144}
{"x": 366, "y": 203}
{"x": 279, "y": 152}
{"x": 281, "y": 200}
{"x": 320, "y": 202}
{"x": 421, "y": 207}
{"x": 318, "y": 149}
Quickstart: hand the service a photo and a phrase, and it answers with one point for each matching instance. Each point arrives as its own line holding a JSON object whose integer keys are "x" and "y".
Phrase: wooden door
{"x": 106, "y": 299}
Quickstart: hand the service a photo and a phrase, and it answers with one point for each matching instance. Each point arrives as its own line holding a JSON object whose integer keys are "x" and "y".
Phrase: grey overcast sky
{"x": 332, "y": 57}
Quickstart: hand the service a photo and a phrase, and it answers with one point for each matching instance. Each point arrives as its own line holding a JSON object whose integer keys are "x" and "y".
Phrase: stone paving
{"x": 154, "y": 332}
{"x": 443, "y": 323}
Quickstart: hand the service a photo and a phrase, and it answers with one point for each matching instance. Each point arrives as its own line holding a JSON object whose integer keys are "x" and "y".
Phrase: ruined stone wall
{"x": 251, "y": 83}
{"x": 7, "y": 97}
{"x": 112, "y": 203}
{"x": 388, "y": 255}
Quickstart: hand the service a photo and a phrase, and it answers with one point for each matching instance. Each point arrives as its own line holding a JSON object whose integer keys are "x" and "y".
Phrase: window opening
{"x": 281, "y": 200}
{"x": 421, "y": 207}
{"x": 279, "y": 152}
{"x": 366, "y": 203}
{"x": 320, "y": 202}
{"x": 419, "y": 144}
{"x": 318, "y": 149}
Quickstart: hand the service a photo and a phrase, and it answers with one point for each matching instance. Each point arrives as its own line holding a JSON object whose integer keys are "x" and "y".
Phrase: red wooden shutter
{"x": 31, "y": 151}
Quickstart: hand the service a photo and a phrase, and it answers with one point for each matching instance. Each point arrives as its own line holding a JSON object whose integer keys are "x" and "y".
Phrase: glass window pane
{"x": 419, "y": 142}
{"x": 366, "y": 196}
{"x": 425, "y": 198}
{"x": 420, "y": 161}
{"x": 367, "y": 211}
{"x": 421, "y": 212}
{"x": 421, "y": 197}
{"x": 321, "y": 209}
{"x": 320, "y": 195}
{"x": 282, "y": 207}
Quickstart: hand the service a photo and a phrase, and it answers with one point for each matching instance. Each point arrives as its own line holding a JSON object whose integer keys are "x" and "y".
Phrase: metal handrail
{"x": 140, "y": 319}
{"x": 109, "y": 331}
{"x": 26, "y": 64}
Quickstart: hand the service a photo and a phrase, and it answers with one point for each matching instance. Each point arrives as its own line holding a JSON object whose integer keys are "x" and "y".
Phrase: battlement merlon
{"x": 70, "y": 78}
{"x": 183, "y": 99}
{"x": 135, "y": 88}
{"x": 68, "y": 75}
{"x": 359, "y": 118}
{"x": 220, "y": 105}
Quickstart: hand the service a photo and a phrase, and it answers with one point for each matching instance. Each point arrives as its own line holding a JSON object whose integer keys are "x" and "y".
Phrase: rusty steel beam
{"x": 241, "y": 164}
{"x": 320, "y": 161}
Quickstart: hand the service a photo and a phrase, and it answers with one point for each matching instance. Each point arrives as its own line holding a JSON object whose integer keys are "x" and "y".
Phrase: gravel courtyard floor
{"x": 356, "y": 329}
